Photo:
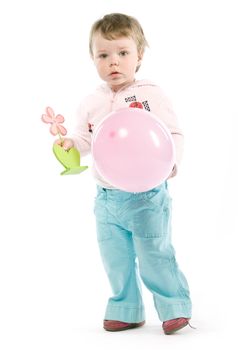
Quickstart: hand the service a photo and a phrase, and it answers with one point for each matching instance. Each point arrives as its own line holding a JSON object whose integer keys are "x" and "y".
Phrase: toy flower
{"x": 55, "y": 120}
{"x": 70, "y": 159}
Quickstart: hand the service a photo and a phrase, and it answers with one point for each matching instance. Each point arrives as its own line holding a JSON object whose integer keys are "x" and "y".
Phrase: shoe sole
{"x": 131, "y": 326}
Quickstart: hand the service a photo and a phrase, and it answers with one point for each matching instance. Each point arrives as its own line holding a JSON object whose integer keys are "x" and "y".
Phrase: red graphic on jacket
{"x": 136, "y": 104}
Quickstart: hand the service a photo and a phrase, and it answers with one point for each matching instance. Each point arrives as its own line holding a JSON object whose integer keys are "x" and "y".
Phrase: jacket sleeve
{"x": 81, "y": 135}
{"x": 162, "y": 107}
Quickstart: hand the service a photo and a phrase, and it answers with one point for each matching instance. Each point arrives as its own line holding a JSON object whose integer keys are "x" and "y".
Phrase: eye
{"x": 123, "y": 53}
{"x": 103, "y": 55}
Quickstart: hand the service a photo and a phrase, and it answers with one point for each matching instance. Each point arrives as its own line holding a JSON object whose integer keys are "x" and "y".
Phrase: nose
{"x": 114, "y": 61}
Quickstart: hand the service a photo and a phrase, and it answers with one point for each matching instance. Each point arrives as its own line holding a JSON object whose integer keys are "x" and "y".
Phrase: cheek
{"x": 132, "y": 64}
{"x": 132, "y": 67}
{"x": 100, "y": 68}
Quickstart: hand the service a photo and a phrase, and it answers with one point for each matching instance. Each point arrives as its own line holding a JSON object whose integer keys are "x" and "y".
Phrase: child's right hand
{"x": 65, "y": 143}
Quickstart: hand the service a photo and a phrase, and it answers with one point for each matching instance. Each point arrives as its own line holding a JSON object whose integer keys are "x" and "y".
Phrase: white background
{"x": 53, "y": 289}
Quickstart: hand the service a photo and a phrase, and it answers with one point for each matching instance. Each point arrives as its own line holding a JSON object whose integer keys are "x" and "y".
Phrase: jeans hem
{"x": 171, "y": 312}
{"x": 122, "y": 313}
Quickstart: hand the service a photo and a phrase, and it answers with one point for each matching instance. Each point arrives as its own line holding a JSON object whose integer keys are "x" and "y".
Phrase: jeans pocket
{"x": 153, "y": 219}
{"x": 101, "y": 214}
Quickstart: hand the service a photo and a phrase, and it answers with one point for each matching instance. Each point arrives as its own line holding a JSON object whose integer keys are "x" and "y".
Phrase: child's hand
{"x": 173, "y": 172}
{"x": 65, "y": 143}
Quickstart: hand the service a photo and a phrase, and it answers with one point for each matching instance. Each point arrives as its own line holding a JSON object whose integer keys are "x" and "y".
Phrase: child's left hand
{"x": 173, "y": 172}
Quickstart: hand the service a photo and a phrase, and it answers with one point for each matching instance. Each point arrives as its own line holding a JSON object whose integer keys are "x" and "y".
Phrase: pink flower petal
{"x": 50, "y": 112}
{"x": 54, "y": 129}
{"x": 46, "y": 119}
{"x": 62, "y": 130}
{"x": 59, "y": 118}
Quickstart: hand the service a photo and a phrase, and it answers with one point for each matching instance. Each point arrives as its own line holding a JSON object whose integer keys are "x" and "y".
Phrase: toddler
{"x": 133, "y": 229}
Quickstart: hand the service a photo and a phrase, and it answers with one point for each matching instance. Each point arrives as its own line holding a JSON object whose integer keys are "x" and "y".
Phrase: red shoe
{"x": 117, "y": 326}
{"x": 172, "y": 326}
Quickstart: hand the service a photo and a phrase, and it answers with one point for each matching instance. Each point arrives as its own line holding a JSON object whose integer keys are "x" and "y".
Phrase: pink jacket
{"x": 144, "y": 94}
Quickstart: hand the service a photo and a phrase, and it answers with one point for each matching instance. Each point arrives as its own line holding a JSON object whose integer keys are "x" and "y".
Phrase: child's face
{"x": 116, "y": 60}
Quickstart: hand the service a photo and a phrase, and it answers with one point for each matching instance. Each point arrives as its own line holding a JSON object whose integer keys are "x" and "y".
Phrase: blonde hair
{"x": 116, "y": 25}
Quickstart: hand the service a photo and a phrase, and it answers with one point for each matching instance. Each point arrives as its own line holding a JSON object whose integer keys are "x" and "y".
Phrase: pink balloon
{"x": 133, "y": 150}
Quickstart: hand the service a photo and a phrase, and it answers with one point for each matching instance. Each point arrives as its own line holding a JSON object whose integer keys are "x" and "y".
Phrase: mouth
{"x": 114, "y": 74}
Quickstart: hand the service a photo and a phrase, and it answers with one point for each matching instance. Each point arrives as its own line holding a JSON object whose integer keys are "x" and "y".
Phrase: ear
{"x": 140, "y": 57}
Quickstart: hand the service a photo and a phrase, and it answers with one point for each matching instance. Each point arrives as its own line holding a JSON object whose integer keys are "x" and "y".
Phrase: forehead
{"x": 101, "y": 43}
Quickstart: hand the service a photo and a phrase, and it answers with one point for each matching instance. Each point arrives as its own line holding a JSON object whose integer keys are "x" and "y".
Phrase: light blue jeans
{"x": 136, "y": 228}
